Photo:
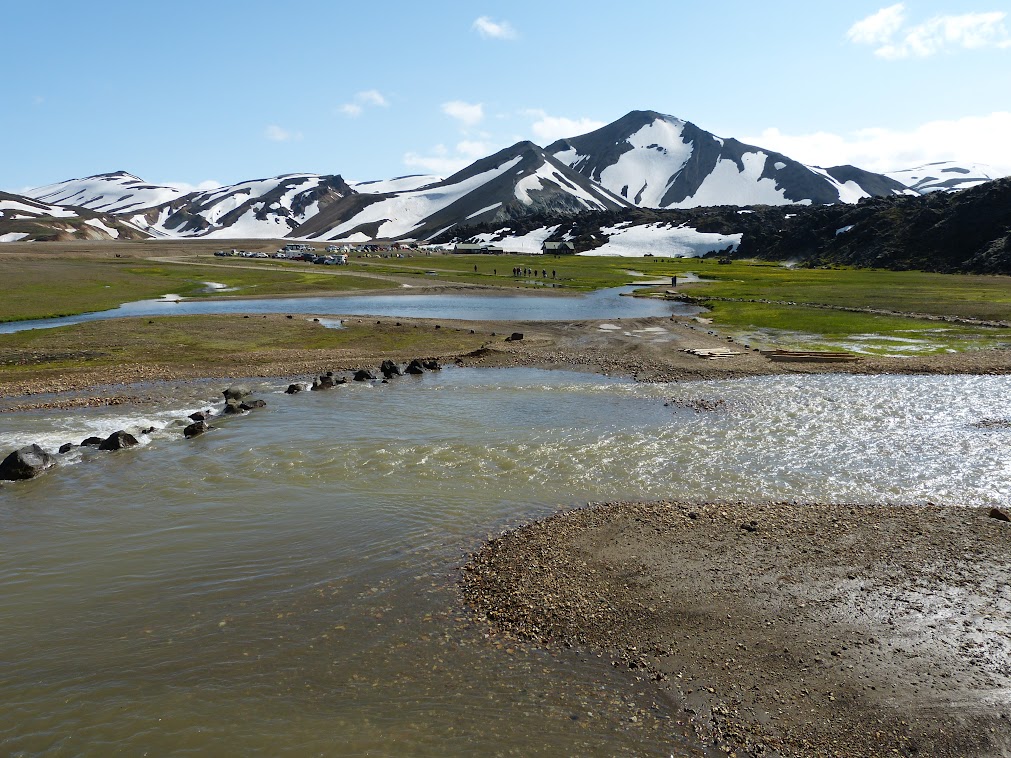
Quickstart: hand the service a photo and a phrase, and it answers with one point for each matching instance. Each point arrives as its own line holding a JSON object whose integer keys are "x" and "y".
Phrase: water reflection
{"x": 600, "y": 304}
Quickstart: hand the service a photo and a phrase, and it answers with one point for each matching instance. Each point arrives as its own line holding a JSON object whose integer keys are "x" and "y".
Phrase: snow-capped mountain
{"x": 262, "y": 208}
{"x": 658, "y": 161}
{"x": 115, "y": 192}
{"x": 398, "y": 184}
{"x": 944, "y": 176}
{"x": 644, "y": 160}
{"x": 23, "y": 218}
{"x": 518, "y": 181}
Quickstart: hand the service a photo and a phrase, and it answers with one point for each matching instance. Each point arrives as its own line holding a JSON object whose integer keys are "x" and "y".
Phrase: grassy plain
{"x": 46, "y": 288}
{"x": 215, "y": 345}
{"x": 763, "y": 302}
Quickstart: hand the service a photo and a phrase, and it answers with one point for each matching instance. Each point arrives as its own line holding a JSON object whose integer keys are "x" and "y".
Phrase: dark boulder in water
{"x": 237, "y": 392}
{"x": 432, "y": 365}
{"x": 67, "y": 447}
{"x": 364, "y": 375}
{"x": 390, "y": 369}
{"x": 293, "y": 388}
{"x": 251, "y": 404}
{"x": 25, "y": 463}
{"x": 195, "y": 429}
{"x": 232, "y": 407}
{"x": 91, "y": 442}
{"x": 415, "y": 367}
{"x": 118, "y": 441}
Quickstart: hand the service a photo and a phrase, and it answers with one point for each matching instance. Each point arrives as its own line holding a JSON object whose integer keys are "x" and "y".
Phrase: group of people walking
{"x": 520, "y": 271}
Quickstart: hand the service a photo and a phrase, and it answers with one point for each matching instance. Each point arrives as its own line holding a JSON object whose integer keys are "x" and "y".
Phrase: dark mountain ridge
{"x": 968, "y": 231}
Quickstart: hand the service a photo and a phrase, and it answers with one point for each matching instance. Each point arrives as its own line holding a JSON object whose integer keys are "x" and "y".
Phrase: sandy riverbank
{"x": 782, "y": 629}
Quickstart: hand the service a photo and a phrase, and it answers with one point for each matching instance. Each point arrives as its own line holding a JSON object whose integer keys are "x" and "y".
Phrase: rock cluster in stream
{"x": 32, "y": 460}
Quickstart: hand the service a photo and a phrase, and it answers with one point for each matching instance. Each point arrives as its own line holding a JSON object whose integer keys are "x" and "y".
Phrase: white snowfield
{"x": 111, "y": 231}
{"x": 110, "y": 193}
{"x": 13, "y": 209}
{"x": 400, "y": 215}
{"x": 727, "y": 184}
{"x": 943, "y": 175}
{"x": 550, "y": 174}
{"x": 400, "y": 184}
{"x": 648, "y": 170}
{"x": 530, "y": 243}
{"x": 12, "y": 237}
{"x": 662, "y": 240}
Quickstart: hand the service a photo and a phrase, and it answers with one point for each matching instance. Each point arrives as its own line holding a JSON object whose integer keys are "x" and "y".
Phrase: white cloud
{"x": 547, "y": 129}
{"x": 361, "y": 100}
{"x": 372, "y": 97}
{"x": 276, "y": 133}
{"x": 468, "y": 114}
{"x": 207, "y": 184}
{"x": 893, "y": 39}
{"x": 879, "y": 27}
{"x": 441, "y": 160}
{"x": 488, "y": 28}
{"x": 972, "y": 139}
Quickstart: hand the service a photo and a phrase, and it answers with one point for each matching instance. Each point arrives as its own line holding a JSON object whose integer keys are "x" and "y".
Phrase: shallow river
{"x": 284, "y": 585}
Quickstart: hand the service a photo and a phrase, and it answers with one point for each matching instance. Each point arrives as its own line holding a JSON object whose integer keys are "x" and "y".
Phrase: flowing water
{"x": 285, "y": 584}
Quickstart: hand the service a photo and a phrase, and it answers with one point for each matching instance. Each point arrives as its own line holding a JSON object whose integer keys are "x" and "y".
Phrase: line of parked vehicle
{"x": 307, "y": 253}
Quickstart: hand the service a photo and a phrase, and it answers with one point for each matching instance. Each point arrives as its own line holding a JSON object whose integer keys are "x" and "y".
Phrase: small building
{"x": 483, "y": 248}
{"x": 558, "y": 248}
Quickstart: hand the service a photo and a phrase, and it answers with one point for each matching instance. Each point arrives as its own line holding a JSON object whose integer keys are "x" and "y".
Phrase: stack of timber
{"x": 810, "y": 356}
{"x": 712, "y": 352}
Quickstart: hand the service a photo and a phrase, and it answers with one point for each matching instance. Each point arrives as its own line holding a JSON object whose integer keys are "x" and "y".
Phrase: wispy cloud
{"x": 445, "y": 161}
{"x": 207, "y": 184}
{"x": 980, "y": 139}
{"x": 547, "y": 128}
{"x": 362, "y": 100}
{"x": 490, "y": 29}
{"x": 468, "y": 114}
{"x": 277, "y": 133}
{"x": 893, "y": 38}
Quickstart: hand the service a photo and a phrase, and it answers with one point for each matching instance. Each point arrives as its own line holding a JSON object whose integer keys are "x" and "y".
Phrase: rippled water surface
{"x": 285, "y": 584}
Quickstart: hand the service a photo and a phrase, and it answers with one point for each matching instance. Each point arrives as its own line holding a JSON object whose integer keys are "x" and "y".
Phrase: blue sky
{"x": 218, "y": 91}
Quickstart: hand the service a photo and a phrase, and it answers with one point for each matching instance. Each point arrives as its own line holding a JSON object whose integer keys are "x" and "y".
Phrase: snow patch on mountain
{"x": 399, "y": 215}
{"x": 110, "y": 193}
{"x": 943, "y": 176}
{"x": 662, "y": 240}
{"x": 492, "y": 207}
{"x": 548, "y": 173}
{"x": 399, "y": 184}
{"x": 849, "y": 192}
{"x": 645, "y": 173}
{"x": 97, "y": 224}
{"x": 728, "y": 184}
{"x": 12, "y": 237}
{"x": 530, "y": 243}
{"x": 15, "y": 209}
